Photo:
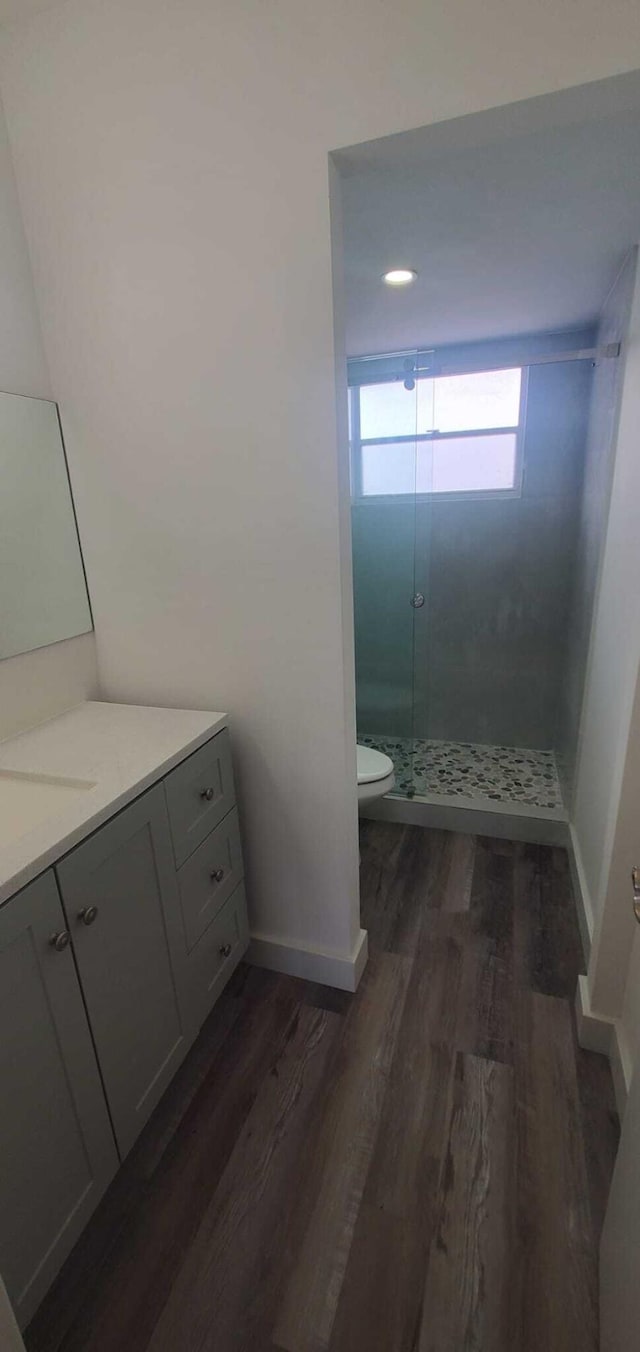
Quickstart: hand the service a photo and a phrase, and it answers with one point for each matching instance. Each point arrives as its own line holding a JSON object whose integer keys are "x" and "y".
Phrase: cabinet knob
{"x": 88, "y": 914}
{"x": 59, "y": 940}
{"x": 225, "y": 950}
{"x": 207, "y": 794}
{"x": 217, "y": 875}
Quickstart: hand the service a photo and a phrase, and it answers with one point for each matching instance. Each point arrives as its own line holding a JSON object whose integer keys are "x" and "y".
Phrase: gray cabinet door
{"x": 57, "y": 1152}
{"x": 126, "y": 872}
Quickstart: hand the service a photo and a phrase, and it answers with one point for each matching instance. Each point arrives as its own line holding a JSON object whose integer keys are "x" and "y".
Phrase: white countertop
{"x": 120, "y": 749}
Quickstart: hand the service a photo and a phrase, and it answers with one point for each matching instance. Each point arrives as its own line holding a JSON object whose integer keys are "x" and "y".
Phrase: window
{"x": 451, "y": 434}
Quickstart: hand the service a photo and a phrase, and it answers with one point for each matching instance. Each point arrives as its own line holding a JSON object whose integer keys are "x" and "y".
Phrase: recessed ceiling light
{"x": 399, "y": 277}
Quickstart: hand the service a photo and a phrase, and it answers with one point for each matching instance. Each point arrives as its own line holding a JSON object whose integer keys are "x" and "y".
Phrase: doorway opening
{"x": 482, "y": 397}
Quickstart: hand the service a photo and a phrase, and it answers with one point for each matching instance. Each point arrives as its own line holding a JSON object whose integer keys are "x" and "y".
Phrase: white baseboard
{"x": 584, "y": 905}
{"x": 512, "y": 822}
{"x": 314, "y": 964}
{"x": 597, "y": 1033}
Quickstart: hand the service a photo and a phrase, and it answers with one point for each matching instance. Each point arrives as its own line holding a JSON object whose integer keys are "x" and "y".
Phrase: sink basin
{"x": 27, "y": 800}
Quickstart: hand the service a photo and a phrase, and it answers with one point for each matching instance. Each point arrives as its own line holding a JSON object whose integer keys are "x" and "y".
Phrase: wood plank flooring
{"x": 421, "y": 1167}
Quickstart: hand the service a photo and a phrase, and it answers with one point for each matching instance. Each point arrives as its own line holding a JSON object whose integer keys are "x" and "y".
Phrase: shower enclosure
{"x": 466, "y": 474}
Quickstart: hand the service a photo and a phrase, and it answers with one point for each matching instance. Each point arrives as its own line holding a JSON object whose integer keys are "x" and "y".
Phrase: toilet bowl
{"x": 375, "y": 774}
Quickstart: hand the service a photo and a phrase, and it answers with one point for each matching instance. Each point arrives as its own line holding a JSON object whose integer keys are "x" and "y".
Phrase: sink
{"x": 26, "y": 800}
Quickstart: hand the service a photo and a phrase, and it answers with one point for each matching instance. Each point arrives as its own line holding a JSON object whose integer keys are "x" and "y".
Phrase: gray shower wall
{"x": 613, "y": 327}
{"x": 489, "y": 646}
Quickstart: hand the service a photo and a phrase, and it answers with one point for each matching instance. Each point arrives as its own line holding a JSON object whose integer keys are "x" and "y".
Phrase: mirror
{"x": 43, "y": 592}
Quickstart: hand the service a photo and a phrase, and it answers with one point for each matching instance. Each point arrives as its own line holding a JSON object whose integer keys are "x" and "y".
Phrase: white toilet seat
{"x": 372, "y": 765}
{"x": 376, "y": 774}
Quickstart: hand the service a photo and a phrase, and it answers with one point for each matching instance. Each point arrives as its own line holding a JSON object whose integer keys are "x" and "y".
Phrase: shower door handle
{"x": 417, "y": 600}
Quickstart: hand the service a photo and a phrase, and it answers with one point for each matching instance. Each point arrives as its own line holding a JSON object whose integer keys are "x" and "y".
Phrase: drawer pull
{"x": 59, "y": 941}
{"x": 217, "y": 875}
{"x": 207, "y": 794}
{"x": 88, "y": 914}
{"x": 225, "y": 950}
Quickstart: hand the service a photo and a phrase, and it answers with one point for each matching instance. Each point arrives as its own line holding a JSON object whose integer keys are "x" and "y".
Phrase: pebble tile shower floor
{"x": 506, "y": 774}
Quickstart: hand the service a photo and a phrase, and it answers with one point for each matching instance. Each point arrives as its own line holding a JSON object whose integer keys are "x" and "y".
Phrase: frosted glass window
{"x": 387, "y": 411}
{"x": 484, "y": 464}
{"x": 390, "y": 410}
{"x": 450, "y": 434}
{"x": 472, "y": 402}
{"x": 464, "y": 403}
{"x": 388, "y": 468}
{"x": 426, "y": 397}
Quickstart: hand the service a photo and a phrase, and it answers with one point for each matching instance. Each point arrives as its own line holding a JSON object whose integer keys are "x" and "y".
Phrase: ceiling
{"x": 516, "y": 220}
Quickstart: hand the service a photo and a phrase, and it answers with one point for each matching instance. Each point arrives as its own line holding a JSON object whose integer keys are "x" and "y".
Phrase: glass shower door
{"x": 423, "y": 541}
{"x": 383, "y": 397}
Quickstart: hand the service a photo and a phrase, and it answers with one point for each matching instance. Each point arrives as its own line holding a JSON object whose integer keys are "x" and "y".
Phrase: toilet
{"x": 375, "y": 774}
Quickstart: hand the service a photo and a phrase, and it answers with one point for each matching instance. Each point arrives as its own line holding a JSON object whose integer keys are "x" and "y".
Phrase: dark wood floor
{"x": 421, "y": 1167}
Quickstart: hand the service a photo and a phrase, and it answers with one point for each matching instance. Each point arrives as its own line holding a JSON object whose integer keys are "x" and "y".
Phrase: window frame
{"x": 356, "y": 442}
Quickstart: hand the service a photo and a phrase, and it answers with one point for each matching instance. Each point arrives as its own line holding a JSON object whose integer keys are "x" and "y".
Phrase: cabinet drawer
{"x": 216, "y": 955}
{"x": 199, "y": 794}
{"x": 209, "y": 877}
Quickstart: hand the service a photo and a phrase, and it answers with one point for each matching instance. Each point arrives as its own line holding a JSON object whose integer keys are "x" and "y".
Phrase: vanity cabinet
{"x": 110, "y": 962}
{"x": 120, "y": 898}
{"x": 155, "y": 943}
{"x": 57, "y": 1152}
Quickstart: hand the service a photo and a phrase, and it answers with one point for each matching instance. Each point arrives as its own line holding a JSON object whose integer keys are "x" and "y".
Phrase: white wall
{"x": 172, "y": 160}
{"x": 614, "y": 658}
{"x": 628, "y": 1026}
{"x": 611, "y": 998}
{"x": 615, "y": 925}
{"x": 606, "y": 825}
{"x": 23, "y": 367}
{"x": 39, "y": 684}
{"x": 602, "y": 430}
{"x": 615, "y": 641}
